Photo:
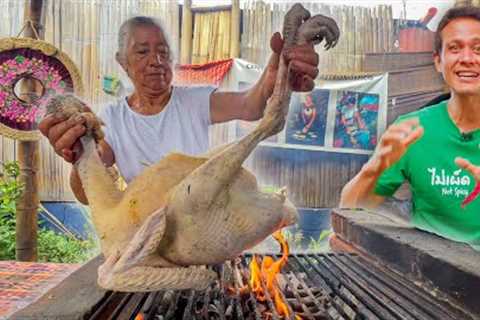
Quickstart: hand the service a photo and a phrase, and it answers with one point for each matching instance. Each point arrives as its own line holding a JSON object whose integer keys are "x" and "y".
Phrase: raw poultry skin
{"x": 185, "y": 212}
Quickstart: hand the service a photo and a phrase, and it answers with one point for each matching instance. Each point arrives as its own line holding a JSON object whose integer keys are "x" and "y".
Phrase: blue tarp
{"x": 72, "y": 215}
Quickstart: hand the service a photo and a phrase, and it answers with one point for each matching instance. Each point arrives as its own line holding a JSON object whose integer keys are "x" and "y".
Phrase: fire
{"x": 139, "y": 316}
{"x": 264, "y": 275}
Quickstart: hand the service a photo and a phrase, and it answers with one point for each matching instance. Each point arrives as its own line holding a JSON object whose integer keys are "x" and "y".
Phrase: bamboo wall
{"x": 211, "y": 36}
{"x": 363, "y": 30}
{"x": 313, "y": 179}
{"x": 459, "y": 3}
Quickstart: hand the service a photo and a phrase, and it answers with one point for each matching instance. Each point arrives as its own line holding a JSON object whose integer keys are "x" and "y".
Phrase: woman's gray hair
{"x": 134, "y": 22}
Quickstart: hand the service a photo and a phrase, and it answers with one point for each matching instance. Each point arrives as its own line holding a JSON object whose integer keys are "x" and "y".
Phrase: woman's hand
{"x": 303, "y": 62}
{"x": 64, "y": 134}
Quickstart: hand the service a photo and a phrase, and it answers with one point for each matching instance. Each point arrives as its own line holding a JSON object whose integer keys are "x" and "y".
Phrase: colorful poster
{"x": 307, "y": 118}
{"x": 338, "y": 115}
{"x": 356, "y": 120}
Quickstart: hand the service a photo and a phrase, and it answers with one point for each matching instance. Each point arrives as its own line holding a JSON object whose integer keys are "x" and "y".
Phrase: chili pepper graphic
{"x": 472, "y": 196}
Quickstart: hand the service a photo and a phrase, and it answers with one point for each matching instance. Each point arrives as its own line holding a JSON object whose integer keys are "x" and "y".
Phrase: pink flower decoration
{"x": 50, "y": 78}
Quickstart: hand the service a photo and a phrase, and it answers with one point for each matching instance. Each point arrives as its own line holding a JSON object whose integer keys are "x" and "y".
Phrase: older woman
{"x": 158, "y": 118}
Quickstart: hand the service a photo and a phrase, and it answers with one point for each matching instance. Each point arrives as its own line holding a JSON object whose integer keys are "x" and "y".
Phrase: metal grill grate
{"x": 315, "y": 286}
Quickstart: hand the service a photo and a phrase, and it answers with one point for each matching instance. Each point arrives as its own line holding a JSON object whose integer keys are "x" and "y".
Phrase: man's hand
{"x": 359, "y": 192}
{"x": 303, "y": 62}
{"x": 63, "y": 134}
{"x": 467, "y": 165}
{"x": 394, "y": 144}
{"x": 475, "y": 172}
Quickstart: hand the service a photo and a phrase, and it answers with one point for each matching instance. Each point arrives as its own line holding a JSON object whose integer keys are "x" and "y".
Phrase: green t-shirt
{"x": 438, "y": 185}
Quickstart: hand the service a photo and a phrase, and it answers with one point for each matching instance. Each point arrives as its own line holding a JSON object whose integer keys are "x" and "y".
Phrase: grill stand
{"x": 448, "y": 269}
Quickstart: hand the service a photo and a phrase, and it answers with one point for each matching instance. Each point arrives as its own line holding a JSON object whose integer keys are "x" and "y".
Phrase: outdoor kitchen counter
{"x": 449, "y": 269}
{"x": 71, "y": 299}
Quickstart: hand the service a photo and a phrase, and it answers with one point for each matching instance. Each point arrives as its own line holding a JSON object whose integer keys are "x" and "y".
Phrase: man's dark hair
{"x": 450, "y": 15}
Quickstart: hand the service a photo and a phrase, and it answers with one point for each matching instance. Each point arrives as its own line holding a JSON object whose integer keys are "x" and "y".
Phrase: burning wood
{"x": 263, "y": 277}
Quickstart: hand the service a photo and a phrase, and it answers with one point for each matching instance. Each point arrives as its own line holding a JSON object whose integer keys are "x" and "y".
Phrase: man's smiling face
{"x": 459, "y": 58}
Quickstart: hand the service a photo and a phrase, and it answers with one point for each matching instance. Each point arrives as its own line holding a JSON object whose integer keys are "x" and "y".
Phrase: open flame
{"x": 264, "y": 275}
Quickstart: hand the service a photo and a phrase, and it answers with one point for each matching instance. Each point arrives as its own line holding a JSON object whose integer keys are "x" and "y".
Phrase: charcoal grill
{"x": 389, "y": 272}
{"x": 316, "y": 286}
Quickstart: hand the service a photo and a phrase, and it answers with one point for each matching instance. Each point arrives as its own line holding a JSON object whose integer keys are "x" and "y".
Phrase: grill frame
{"x": 357, "y": 289}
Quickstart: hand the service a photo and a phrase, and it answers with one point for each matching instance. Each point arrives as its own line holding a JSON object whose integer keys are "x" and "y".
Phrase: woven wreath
{"x": 24, "y": 58}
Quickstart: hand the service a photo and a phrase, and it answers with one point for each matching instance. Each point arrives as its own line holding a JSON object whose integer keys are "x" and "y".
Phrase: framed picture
{"x": 346, "y": 116}
{"x": 307, "y": 118}
{"x": 356, "y": 120}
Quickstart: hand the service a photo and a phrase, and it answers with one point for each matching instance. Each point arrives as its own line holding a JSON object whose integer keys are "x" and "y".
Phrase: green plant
{"x": 321, "y": 244}
{"x": 10, "y": 189}
{"x": 269, "y": 188}
{"x": 7, "y": 239}
{"x": 52, "y": 247}
{"x": 293, "y": 239}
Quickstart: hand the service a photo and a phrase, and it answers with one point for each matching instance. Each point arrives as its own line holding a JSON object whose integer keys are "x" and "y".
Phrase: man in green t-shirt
{"x": 434, "y": 148}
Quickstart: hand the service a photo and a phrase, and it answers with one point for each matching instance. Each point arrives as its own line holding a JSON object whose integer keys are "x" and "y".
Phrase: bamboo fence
{"x": 363, "y": 30}
{"x": 459, "y": 3}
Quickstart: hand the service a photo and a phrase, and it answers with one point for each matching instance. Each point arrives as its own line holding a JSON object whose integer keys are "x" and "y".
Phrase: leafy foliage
{"x": 297, "y": 240}
{"x": 10, "y": 189}
{"x": 52, "y": 247}
{"x": 7, "y": 238}
{"x": 294, "y": 239}
{"x": 321, "y": 244}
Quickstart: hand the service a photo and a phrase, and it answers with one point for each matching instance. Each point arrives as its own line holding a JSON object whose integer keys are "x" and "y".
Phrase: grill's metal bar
{"x": 375, "y": 280}
{"x": 367, "y": 289}
{"x": 151, "y": 304}
{"x": 292, "y": 272}
{"x": 299, "y": 299}
{"x": 334, "y": 314}
{"x": 118, "y": 310}
{"x": 334, "y": 287}
{"x": 342, "y": 288}
{"x": 409, "y": 291}
{"x": 107, "y": 305}
{"x": 330, "y": 312}
{"x": 339, "y": 309}
{"x": 97, "y": 309}
{"x": 371, "y": 302}
{"x": 295, "y": 293}
{"x": 134, "y": 306}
